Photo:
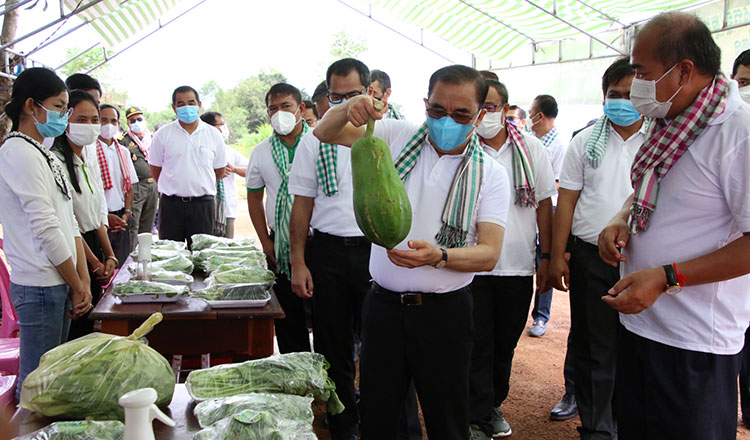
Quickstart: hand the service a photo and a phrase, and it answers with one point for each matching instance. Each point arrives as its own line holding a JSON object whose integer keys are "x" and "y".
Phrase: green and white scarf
{"x": 284, "y": 200}
{"x": 220, "y": 213}
{"x": 523, "y": 169}
{"x": 326, "y": 169}
{"x": 461, "y": 203}
{"x": 597, "y": 143}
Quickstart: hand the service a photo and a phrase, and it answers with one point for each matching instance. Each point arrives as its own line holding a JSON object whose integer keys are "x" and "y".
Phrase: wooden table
{"x": 180, "y": 410}
{"x": 192, "y": 327}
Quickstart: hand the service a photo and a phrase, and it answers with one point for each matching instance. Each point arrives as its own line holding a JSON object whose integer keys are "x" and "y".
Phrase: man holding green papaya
{"x": 417, "y": 319}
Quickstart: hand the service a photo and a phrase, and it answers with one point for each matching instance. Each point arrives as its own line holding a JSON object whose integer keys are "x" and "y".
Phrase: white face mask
{"x": 284, "y": 122}
{"x": 643, "y": 97}
{"x": 83, "y": 134}
{"x": 745, "y": 94}
{"x": 224, "y": 131}
{"x": 491, "y": 125}
{"x": 138, "y": 127}
{"x": 109, "y": 131}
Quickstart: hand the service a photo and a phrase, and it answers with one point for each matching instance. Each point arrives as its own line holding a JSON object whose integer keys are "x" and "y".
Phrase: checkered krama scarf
{"x": 664, "y": 145}
{"x": 123, "y": 156}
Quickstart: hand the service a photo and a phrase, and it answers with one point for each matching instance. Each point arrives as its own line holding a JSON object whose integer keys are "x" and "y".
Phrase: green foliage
{"x": 345, "y": 46}
{"x": 159, "y": 117}
{"x": 85, "y": 62}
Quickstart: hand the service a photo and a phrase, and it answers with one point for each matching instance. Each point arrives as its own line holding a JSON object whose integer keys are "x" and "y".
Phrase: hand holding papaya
{"x": 363, "y": 107}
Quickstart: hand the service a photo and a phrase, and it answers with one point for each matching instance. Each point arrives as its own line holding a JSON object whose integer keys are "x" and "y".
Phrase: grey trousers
{"x": 145, "y": 201}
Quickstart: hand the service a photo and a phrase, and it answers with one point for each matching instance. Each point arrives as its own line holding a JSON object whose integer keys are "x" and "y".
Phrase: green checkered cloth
{"x": 597, "y": 144}
{"x": 394, "y": 113}
{"x": 326, "y": 169}
{"x": 284, "y": 200}
{"x": 220, "y": 214}
{"x": 523, "y": 169}
{"x": 461, "y": 203}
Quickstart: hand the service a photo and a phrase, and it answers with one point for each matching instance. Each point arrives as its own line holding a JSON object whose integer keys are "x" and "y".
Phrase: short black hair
{"x": 184, "y": 89}
{"x": 211, "y": 117}
{"x": 742, "y": 60}
{"x": 459, "y": 74}
{"x": 501, "y": 89}
{"x": 684, "y": 36}
{"x": 488, "y": 74}
{"x": 309, "y": 105}
{"x": 547, "y": 105}
{"x": 284, "y": 89}
{"x": 320, "y": 92}
{"x": 344, "y": 67}
{"x": 37, "y": 83}
{"x": 615, "y": 72}
{"x": 117, "y": 110}
{"x": 521, "y": 112}
{"x": 382, "y": 78}
{"x": 81, "y": 81}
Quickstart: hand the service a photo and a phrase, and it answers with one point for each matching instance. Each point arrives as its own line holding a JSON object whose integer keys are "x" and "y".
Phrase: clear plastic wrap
{"x": 81, "y": 430}
{"x": 84, "y": 378}
{"x": 210, "y": 259}
{"x": 205, "y": 241}
{"x": 171, "y": 277}
{"x": 283, "y": 406}
{"x": 241, "y": 275}
{"x": 256, "y": 425}
{"x": 140, "y": 287}
{"x": 180, "y": 263}
{"x": 165, "y": 245}
{"x": 303, "y": 374}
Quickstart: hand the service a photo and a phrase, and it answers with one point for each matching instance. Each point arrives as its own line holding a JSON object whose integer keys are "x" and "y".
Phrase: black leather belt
{"x": 189, "y": 199}
{"x": 346, "y": 241}
{"x": 413, "y": 298}
{"x": 575, "y": 241}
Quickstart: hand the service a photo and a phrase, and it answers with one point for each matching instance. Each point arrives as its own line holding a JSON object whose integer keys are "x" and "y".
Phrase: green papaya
{"x": 381, "y": 205}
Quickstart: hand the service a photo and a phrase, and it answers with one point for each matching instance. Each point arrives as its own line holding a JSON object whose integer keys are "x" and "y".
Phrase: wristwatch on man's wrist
{"x": 675, "y": 282}
{"x": 443, "y": 260}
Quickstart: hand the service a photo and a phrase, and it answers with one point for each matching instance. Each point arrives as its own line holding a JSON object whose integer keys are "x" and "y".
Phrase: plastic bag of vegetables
{"x": 165, "y": 254}
{"x": 165, "y": 245}
{"x": 84, "y": 378}
{"x": 303, "y": 374}
{"x": 171, "y": 277}
{"x": 241, "y": 275}
{"x": 210, "y": 259}
{"x": 236, "y": 292}
{"x": 83, "y": 430}
{"x": 205, "y": 241}
{"x": 136, "y": 287}
{"x": 283, "y": 406}
{"x": 180, "y": 263}
{"x": 256, "y": 425}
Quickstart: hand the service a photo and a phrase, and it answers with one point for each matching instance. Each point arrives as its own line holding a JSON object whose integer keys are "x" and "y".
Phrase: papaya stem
{"x": 370, "y": 128}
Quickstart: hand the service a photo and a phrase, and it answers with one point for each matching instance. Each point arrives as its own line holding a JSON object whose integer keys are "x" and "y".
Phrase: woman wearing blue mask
{"x": 49, "y": 278}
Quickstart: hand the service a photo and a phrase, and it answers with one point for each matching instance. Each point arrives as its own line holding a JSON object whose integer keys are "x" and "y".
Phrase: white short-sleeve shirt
{"x": 187, "y": 160}
{"x": 556, "y": 151}
{"x": 87, "y": 205}
{"x": 519, "y": 243}
{"x": 116, "y": 195}
{"x": 703, "y": 205}
{"x": 230, "y": 186}
{"x": 262, "y": 173}
{"x": 335, "y": 214}
{"x": 428, "y": 186}
{"x": 603, "y": 189}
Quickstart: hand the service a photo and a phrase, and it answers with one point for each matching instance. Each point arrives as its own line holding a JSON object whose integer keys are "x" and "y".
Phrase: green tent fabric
{"x": 115, "y": 23}
{"x": 494, "y": 29}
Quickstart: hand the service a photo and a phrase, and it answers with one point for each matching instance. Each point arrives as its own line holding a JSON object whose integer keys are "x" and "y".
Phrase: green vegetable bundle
{"x": 135, "y": 287}
{"x": 83, "y": 430}
{"x": 241, "y": 275}
{"x": 282, "y": 406}
{"x": 235, "y": 292}
{"x": 171, "y": 277}
{"x": 165, "y": 245}
{"x": 256, "y": 425}
{"x": 210, "y": 259}
{"x": 205, "y": 241}
{"x": 84, "y": 378}
{"x": 178, "y": 263}
{"x": 303, "y": 374}
{"x": 165, "y": 254}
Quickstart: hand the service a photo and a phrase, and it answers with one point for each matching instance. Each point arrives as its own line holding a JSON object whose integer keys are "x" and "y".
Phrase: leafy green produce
{"x": 165, "y": 245}
{"x": 282, "y": 406}
{"x": 165, "y": 254}
{"x": 82, "y": 430}
{"x": 179, "y": 263}
{"x": 135, "y": 287}
{"x": 256, "y": 425}
{"x": 210, "y": 259}
{"x": 235, "y": 292}
{"x": 241, "y": 275}
{"x": 84, "y": 378}
{"x": 168, "y": 276}
{"x": 303, "y": 374}
{"x": 205, "y": 241}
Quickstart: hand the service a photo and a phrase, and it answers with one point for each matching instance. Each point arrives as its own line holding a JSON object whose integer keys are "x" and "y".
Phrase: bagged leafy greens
{"x": 165, "y": 254}
{"x": 282, "y": 406}
{"x": 135, "y": 286}
{"x": 303, "y": 374}
{"x": 256, "y": 425}
{"x": 180, "y": 263}
{"x": 165, "y": 245}
{"x": 205, "y": 241}
{"x": 84, "y": 378}
{"x": 171, "y": 277}
{"x": 210, "y": 259}
{"x": 235, "y": 292}
{"x": 241, "y": 275}
{"x": 82, "y": 430}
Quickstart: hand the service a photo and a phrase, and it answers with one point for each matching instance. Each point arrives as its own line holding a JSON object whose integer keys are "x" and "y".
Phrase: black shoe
{"x": 565, "y": 409}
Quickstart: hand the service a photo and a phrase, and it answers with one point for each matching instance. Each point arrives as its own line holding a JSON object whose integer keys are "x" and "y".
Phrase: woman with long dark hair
{"x": 49, "y": 281}
{"x": 88, "y": 196}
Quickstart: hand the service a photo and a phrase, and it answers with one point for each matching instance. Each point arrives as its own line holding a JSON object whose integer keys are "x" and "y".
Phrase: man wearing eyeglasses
{"x": 380, "y": 89}
{"x": 417, "y": 318}
{"x": 145, "y": 195}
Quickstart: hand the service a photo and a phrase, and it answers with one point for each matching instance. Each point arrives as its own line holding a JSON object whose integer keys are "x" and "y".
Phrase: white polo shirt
{"x": 519, "y": 243}
{"x": 230, "y": 186}
{"x": 262, "y": 173}
{"x": 89, "y": 156}
{"x": 116, "y": 195}
{"x": 87, "y": 205}
{"x": 39, "y": 227}
{"x": 187, "y": 160}
{"x": 603, "y": 190}
{"x": 704, "y": 204}
{"x": 332, "y": 215}
{"x": 556, "y": 151}
{"x": 428, "y": 186}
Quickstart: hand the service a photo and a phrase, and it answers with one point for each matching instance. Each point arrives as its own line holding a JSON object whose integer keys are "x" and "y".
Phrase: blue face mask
{"x": 55, "y": 125}
{"x": 187, "y": 113}
{"x": 621, "y": 112}
{"x": 446, "y": 133}
{"x": 334, "y": 104}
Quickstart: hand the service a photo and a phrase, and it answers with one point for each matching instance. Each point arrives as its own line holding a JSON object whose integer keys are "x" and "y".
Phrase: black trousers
{"x": 180, "y": 218}
{"x": 119, "y": 240}
{"x": 340, "y": 272}
{"x": 83, "y": 325}
{"x": 594, "y": 326}
{"x": 745, "y": 379}
{"x": 291, "y": 331}
{"x": 501, "y": 308}
{"x": 429, "y": 344}
{"x": 666, "y": 393}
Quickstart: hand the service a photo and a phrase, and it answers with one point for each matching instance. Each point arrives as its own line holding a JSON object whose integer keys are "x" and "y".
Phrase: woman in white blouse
{"x": 88, "y": 196}
{"x": 49, "y": 280}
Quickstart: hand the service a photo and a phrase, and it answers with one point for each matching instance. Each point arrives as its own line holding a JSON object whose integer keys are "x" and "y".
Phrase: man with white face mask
{"x": 502, "y": 296}
{"x": 683, "y": 239}
{"x": 741, "y": 74}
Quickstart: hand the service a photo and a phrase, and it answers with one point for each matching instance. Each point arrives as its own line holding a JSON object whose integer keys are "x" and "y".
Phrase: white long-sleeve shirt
{"x": 39, "y": 227}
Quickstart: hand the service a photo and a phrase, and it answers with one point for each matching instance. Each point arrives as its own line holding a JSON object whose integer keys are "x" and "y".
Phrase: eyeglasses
{"x": 492, "y": 108}
{"x": 459, "y": 116}
{"x": 62, "y": 113}
{"x": 336, "y": 98}
{"x": 134, "y": 120}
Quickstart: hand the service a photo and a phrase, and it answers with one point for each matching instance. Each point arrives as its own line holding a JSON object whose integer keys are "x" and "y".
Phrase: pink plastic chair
{"x": 9, "y": 327}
